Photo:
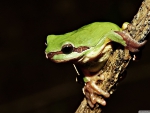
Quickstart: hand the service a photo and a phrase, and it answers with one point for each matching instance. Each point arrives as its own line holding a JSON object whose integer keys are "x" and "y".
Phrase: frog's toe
{"x": 89, "y": 99}
{"x": 98, "y": 90}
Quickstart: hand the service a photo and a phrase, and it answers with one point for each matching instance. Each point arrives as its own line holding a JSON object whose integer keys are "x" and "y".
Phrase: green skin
{"x": 92, "y": 44}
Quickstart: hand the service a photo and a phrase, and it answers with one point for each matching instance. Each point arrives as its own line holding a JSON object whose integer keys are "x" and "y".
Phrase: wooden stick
{"x": 119, "y": 59}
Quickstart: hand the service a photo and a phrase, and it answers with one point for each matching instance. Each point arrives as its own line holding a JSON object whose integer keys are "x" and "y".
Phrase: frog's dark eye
{"x": 68, "y": 48}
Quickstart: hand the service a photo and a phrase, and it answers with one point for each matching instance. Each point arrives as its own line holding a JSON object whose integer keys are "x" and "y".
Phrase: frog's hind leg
{"x": 131, "y": 44}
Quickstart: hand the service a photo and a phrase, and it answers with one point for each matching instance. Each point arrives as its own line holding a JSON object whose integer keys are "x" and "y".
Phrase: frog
{"x": 88, "y": 48}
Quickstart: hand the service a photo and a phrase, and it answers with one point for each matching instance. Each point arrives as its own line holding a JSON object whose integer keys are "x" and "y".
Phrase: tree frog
{"x": 89, "y": 48}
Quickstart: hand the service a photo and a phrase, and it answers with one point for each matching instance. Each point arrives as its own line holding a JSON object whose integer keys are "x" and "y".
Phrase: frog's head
{"x": 60, "y": 49}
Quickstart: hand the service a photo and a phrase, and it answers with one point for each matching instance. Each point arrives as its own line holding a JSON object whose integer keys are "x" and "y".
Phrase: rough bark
{"x": 119, "y": 59}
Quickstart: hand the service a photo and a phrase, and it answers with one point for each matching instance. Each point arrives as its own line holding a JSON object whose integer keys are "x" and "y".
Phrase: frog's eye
{"x": 68, "y": 48}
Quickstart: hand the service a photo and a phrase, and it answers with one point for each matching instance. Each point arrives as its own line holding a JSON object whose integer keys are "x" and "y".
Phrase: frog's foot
{"x": 131, "y": 44}
{"x": 92, "y": 92}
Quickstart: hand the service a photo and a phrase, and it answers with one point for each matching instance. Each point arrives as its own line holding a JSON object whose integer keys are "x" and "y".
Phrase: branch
{"x": 119, "y": 59}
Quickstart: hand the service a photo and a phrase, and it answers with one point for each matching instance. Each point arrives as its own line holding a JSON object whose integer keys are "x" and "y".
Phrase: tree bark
{"x": 120, "y": 58}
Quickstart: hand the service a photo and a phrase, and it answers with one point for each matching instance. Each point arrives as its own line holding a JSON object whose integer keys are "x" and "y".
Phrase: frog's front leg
{"x": 92, "y": 92}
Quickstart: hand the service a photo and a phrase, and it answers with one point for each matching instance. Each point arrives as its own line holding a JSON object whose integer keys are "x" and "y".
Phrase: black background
{"x": 29, "y": 83}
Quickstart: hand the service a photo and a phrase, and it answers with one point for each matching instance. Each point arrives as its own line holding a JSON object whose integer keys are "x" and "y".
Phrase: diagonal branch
{"x": 119, "y": 59}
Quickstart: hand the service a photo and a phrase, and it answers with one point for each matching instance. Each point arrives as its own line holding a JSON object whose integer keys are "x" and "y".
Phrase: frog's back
{"x": 96, "y": 29}
{"x": 102, "y": 26}
{"x": 90, "y": 34}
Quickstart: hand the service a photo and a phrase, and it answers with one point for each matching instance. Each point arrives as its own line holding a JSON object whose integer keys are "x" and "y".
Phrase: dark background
{"x": 29, "y": 83}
